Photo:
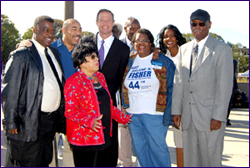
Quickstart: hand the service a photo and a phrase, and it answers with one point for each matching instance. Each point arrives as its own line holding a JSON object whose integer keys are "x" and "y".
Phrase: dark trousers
{"x": 37, "y": 153}
{"x": 113, "y": 148}
{"x": 105, "y": 158}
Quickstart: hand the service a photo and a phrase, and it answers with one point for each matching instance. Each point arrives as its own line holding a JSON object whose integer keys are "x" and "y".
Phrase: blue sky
{"x": 230, "y": 19}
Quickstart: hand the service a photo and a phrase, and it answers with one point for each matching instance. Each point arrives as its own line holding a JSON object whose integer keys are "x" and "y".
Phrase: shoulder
{"x": 120, "y": 43}
{"x": 21, "y": 53}
{"x": 74, "y": 77}
{"x": 217, "y": 44}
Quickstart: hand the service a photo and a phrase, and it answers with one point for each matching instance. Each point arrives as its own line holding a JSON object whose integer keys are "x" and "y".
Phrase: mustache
{"x": 197, "y": 30}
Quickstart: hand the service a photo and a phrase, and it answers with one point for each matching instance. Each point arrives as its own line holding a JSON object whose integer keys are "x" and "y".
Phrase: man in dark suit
{"x": 115, "y": 59}
{"x": 32, "y": 98}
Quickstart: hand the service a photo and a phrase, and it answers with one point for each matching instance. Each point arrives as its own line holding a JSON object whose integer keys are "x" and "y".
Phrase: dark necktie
{"x": 53, "y": 69}
{"x": 101, "y": 53}
{"x": 193, "y": 58}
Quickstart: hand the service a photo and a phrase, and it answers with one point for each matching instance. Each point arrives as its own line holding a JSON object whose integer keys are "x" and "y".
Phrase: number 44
{"x": 134, "y": 86}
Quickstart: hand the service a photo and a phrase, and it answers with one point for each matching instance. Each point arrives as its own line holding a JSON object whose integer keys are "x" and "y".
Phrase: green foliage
{"x": 9, "y": 37}
{"x": 243, "y": 62}
{"x": 86, "y": 33}
{"x": 28, "y": 34}
{"x": 190, "y": 37}
{"x": 238, "y": 52}
{"x": 58, "y": 30}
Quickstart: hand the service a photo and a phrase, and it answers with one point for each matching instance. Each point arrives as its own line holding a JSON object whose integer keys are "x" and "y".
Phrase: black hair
{"x": 180, "y": 39}
{"x": 81, "y": 51}
{"x": 147, "y": 32}
{"x": 41, "y": 18}
{"x": 104, "y": 10}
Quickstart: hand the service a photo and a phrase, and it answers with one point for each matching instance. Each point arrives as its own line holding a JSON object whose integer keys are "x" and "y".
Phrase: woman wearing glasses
{"x": 170, "y": 39}
{"x": 147, "y": 94}
{"x": 89, "y": 110}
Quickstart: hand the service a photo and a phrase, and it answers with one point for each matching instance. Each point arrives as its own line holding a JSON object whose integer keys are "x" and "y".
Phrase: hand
{"x": 215, "y": 124}
{"x": 176, "y": 120}
{"x": 25, "y": 43}
{"x": 130, "y": 118}
{"x": 13, "y": 131}
{"x": 97, "y": 125}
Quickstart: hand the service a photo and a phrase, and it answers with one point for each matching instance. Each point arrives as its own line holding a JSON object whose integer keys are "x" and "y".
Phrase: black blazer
{"x": 21, "y": 97}
{"x": 114, "y": 65}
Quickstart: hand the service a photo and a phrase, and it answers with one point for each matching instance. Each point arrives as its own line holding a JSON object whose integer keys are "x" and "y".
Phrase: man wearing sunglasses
{"x": 201, "y": 93}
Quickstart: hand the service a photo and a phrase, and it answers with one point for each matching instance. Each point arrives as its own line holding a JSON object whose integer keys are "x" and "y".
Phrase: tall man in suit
{"x": 125, "y": 148}
{"x": 32, "y": 98}
{"x": 115, "y": 59}
{"x": 201, "y": 94}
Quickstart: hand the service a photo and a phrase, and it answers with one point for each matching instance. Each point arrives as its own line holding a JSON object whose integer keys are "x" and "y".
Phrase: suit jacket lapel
{"x": 36, "y": 57}
{"x": 111, "y": 52}
{"x": 207, "y": 49}
{"x": 58, "y": 59}
{"x": 186, "y": 58}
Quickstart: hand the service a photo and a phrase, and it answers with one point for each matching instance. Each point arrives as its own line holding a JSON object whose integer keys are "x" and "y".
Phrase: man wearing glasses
{"x": 201, "y": 94}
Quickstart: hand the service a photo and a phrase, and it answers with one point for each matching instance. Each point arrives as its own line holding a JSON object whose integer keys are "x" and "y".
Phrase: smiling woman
{"x": 147, "y": 93}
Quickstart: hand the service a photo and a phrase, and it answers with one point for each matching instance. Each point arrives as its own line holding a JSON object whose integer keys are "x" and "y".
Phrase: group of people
{"x": 181, "y": 84}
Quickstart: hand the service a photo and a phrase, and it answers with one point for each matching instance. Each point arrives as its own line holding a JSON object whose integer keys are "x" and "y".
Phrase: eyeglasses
{"x": 93, "y": 56}
{"x": 142, "y": 41}
{"x": 202, "y": 24}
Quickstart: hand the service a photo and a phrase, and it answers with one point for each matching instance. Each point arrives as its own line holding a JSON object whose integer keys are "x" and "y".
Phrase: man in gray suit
{"x": 203, "y": 79}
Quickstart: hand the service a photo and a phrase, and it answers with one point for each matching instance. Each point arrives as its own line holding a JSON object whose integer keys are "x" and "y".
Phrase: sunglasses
{"x": 93, "y": 56}
{"x": 202, "y": 24}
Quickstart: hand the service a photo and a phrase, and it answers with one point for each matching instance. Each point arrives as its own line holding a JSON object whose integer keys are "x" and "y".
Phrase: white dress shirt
{"x": 51, "y": 90}
{"x": 200, "y": 44}
{"x": 107, "y": 44}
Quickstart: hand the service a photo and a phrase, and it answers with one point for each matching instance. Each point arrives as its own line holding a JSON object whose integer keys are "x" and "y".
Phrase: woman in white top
{"x": 147, "y": 94}
{"x": 170, "y": 39}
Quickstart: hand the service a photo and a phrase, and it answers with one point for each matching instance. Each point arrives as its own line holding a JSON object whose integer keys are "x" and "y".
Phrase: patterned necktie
{"x": 132, "y": 49}
{"x": 101, "y": 53}
{"x": 194, "y": 58}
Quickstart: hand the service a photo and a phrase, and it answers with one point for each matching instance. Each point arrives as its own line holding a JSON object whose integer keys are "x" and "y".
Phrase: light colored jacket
{"x": 206, "y": 93}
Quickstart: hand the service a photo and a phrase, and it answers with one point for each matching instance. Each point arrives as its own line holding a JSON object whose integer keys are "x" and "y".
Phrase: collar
{"x": 168, "y": 53}
{"x": 128, "y": 41}
{"x": 108, "y": 41}
{"x": 201, "y": 43}
{"x": 59, "y": 42}
{"x": 38, "y": 45}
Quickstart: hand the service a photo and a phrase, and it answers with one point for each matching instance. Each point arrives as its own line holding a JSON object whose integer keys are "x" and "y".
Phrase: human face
{"x": 92, "y": 64}
{"x": 72, "y": 33}
{"x": 115, "y": 32}
{"x": 200, "y": 32}
{"x": 105, "y": 24}
{"x": 169, "y": 39}
{"x": 44, "y": 33}
{"x": 142, "y": 45}
{"x": 131, "y": 29}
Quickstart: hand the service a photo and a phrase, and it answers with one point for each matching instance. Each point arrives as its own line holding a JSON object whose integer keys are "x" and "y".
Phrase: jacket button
{"x": 191, "y": 92}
